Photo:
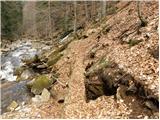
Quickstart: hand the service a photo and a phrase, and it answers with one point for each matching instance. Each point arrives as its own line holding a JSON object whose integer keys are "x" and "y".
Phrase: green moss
{"x": 53, "y": 60}
{"x": 59, "y": 49}
{"x": 18, "y": 71}
{"x": 18, "y": 79}
{"x": 101, "y": 64}
{"x": 133, "y": 42}
{"x": 31, "y": 60}
{"x": 40, "y": 83}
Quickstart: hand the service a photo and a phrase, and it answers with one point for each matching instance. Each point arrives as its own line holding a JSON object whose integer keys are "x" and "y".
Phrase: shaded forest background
{"x": 50, "y": 19}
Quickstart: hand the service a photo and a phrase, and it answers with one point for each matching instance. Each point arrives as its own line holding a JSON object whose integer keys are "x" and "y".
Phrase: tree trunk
{"x": 49, "y": 20}
{"x": 103, "y": 8}
{"x": 93, "y": 9}
{"x": 86, "y": 10}
{"x": 66, "y": 17}
{"x": 75, "y": 17}
{"x": 29, "y": 18}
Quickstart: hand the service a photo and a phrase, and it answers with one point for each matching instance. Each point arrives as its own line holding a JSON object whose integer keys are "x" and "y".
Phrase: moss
{"x": 31, "y": 60}
{"x": 59, "y": 49}
{"x": 133, "y": 42}
{"x": 40, "y": 83}
{"x": 53, "y": 60}
{"x": 18, "y": 71}
{"x": 101, "y": 64}
{"x": 18, "y": 79}
{"x": 30, "y": 84}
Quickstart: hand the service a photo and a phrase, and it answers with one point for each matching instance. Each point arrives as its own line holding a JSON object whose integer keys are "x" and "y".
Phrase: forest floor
{"x": 113, "y": 39}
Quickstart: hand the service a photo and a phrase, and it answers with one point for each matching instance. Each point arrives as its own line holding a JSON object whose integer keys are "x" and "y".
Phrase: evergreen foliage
{"x": 11, "y": 19}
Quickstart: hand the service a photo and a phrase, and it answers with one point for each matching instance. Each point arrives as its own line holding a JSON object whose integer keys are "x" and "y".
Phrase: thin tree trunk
{"x": 93, "y": 9}
{"x": 29, "y": 18}
{"x": 66, "y": 17}
{"x": 86, "y": 10}
{"x": 75, "y": 17}
{"x": 49, "y": 19}
{"x": 34, "y": 20}
{"x": 103, "y": 8}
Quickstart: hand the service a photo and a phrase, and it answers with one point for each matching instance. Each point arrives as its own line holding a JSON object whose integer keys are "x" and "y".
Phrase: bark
{"x": 66, "y": 17}
{"x": 49, "y": 19}
{"x": 93, "y": 9}
{"x": 103, "y": 8}
{"x": 75, "y": 17}
{"x": 86, "y": 10}
{"x": 29, "y": 18}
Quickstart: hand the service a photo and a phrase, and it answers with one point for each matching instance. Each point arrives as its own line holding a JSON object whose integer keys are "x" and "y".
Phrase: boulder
{"x": 41, "y": 82}
{"x": 26, "y": 74}
{"x": 45, "y": 96}
{"x": 36, "y": 99}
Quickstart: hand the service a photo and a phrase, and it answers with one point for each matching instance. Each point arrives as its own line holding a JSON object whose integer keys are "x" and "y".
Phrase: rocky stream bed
{"x": 14, "y": 73}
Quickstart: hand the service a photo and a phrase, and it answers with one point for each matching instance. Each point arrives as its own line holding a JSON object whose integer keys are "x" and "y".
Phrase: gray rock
{"x": 26, "y": 74}
{"x": 43, "y": 66}
{"x": 36, "y": 99}
{"x": 45, "y": 96}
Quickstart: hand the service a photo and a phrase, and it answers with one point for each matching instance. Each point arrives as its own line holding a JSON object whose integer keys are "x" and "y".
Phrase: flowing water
{"x": 10, "y": 89}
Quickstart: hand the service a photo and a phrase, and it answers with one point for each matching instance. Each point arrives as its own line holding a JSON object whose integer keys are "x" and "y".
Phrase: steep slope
{"x": 135, "y": 60}
{"x": 132, "y": 49}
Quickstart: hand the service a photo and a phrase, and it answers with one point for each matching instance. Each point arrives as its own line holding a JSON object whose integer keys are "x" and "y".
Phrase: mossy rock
{"x": 59, "y": 49}
{"x": 101, "y": 64}
{"x": 39, "y": 84}
{"x": 18, "y": 71}
{"x": 53, "y": 60}
{"x": 133, "y": 42}
{"x": 25, "y": 75}
{"x": 18, "y": 79}
{"x": 30, "y": 84}
{"x": 31, "y": 60}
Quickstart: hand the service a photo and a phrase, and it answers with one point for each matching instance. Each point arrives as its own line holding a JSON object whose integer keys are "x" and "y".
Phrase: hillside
{"x": 109, "y": 71}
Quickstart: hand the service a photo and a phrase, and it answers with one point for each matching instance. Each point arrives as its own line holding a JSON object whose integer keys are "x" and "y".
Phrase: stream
{"x": 10, "y": 60}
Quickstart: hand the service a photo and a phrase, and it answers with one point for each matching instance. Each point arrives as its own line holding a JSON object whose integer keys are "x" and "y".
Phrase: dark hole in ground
{"x": 106, "y": 82}
{"x": 61, "y": 101}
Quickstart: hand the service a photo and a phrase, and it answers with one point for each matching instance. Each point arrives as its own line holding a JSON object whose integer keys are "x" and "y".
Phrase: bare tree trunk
{"x": 49, "y": 19}
{"x": 86, "y": 10}
{"x": 29, "y": 18}
{"x": 34, "y": 20}
{"x": 75, "y": 17}
{"x": 66, "y": 17}
{"x": 103, "y": 8}
{"x": 93, "y": 9}
{"x": 143, "y": 22}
